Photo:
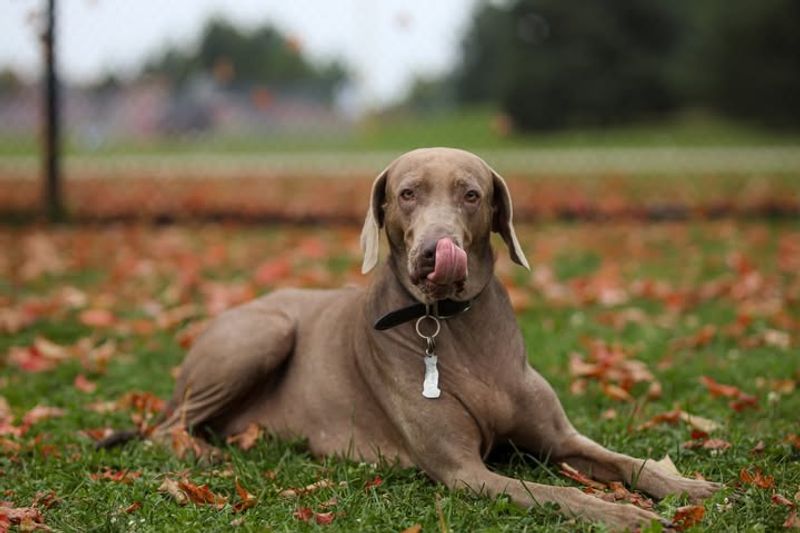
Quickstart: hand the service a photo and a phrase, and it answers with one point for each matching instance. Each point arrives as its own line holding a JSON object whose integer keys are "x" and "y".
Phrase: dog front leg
{"x": 475, "y": 477}
{"x": 542, "y": 426}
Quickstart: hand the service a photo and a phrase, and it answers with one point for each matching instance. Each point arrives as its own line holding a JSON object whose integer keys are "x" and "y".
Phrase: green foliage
{"x": 753, "y": 55}
{"x": 556, "y": 64}
{"x": 260, "y": 56}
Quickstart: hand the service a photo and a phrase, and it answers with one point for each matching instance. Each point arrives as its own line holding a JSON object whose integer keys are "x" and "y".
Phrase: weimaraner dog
{"x": 362, "y": 373}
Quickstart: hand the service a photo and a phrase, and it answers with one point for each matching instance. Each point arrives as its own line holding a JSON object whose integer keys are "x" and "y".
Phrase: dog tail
{"x": 118, "y": 438}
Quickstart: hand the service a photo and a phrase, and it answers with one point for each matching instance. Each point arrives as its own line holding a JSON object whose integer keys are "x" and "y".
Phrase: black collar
{"x": 444, "y": 309}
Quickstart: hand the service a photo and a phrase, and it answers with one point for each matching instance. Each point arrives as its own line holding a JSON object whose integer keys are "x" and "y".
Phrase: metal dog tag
{"x": 430, "y": 385}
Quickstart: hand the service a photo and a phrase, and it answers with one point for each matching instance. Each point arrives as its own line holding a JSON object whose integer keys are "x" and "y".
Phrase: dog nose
{"x": 429, "y": 250}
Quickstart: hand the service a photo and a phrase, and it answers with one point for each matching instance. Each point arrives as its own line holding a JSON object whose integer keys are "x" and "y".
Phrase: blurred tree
{"x": 261, "y": 56}
{"x": 752, "y": 57}
{"x": 589, "y": 62}
{"x": 485, "y": 68}
{"x": 10, "y": 81}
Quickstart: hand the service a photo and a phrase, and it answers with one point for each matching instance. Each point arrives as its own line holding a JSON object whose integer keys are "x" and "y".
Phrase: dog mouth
{"x": 443, "y": 271}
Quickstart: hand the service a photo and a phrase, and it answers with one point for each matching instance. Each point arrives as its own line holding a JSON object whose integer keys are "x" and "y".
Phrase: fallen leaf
{"x": 324, "y": 519}
{"x": 699, "y": 423}
{"x": 756, "y": 478}
{"x": 117, "y": 476}
{"x": 583, "y": 479}
{"x": 616, "y": 392}
{"x": 303, "y": 514}
{"x": 201, "y": 494}
{"x": 718, "y": 389}
{"x": 758, "y": 448}
{"x": 97, "y": 434}
{"x": 377, "y": 481}
{"x": 135, "y": 506}
{"x": 416, "y": 528}
{"x": 246, "y": 500}
{"x": 792, "y": 520}
{"x": 247, "y": 438}
{"x": 779, "y": 499}
{"x": 84, "y": 385}
{"x": 27, "y": 518}
{"x": 41, "y": 412}
{"x": 97, "y": 318}
{"x": 688, "y": 516}
{"x": 308, "y": 489}
{"x": 172, "y": 488}
{"x": 716, "y": 444}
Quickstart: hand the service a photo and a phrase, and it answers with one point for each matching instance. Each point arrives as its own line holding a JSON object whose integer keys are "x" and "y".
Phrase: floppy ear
{"x": 371, "y": 233}
{"x": 502, "y": 220}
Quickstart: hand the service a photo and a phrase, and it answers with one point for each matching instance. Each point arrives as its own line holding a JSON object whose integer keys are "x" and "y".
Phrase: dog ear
{"x": 502, "y": 221}
{"x": 371, "y": 233}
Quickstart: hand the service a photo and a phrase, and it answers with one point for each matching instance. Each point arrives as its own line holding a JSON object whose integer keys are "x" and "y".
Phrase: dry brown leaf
{"x": 792, "y": 520}
{"x": 303, "y": 514}
{"x": 780, "y": 499}
{"x": 172, "y": 488}
{"x": 135, "y": 506}
{"x": 699, "y": 423}
{"x": 758, "y": 448}
{"x": 308, "y": 489}
{"x": 246, "y": 500}
{"x": 616, "y": 392}
{"x": 41, "y": 412}
{"x": 716, "y": 444}
{"x": 416, "y": 528}
{"x": 757, "y": 478}
{"x": 323, "y": 519}
{"x": 688, "y": 516}
{"x": 201, "y": 494}
{"x": 583, "y": 479}
{"x": 84, "y": 385}
{"x": 247, "y": 438}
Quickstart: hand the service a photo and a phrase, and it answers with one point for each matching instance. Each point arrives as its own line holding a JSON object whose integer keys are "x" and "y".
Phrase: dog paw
{"x": 626, "y": 517}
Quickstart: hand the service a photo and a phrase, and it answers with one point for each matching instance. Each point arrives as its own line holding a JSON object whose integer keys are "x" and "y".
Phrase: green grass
{"x": 681, "y": 255}
{"x": 471, "y": 128}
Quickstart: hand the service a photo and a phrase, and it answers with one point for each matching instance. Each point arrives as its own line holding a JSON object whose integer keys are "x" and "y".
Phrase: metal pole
{"x": 52, "y": 179}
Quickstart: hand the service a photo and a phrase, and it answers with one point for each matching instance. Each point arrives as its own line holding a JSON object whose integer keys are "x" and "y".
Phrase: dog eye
{"x": 407, "y": 194}
{"x": 472, "y": 196}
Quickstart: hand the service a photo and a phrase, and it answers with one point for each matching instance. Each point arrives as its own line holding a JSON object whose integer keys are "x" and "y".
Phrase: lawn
{"x": 475, "y": 128}
{"x": 628, "y": 321}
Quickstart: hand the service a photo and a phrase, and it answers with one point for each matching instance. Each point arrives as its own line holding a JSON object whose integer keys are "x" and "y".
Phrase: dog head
{"x": 439, "y": 207}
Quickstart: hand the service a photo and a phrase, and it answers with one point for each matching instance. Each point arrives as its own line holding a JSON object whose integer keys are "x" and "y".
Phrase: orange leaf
{"x": 574, "y": 474}
{"x": 97, "y": 318}
{"x": 757, "y": 478}
{"x": 718, "y": 389}
{"x": 792, "y": 520}
{"x": 780, "y": 499}
{"x": 84, "y": 385}
{"x": 247, "y": 438}
{"x": 616, "y": 392}
{"x": 374, "y": 482}
{"x": 135, "y": 506}
{"x": 303, "y": 514}
{"x": 201, "y": 494}
{"x": 117, "y": 476}
{"x": 688, "y": 516}
{"x": 324, "y": 519}
{"x": 247, "y": 499}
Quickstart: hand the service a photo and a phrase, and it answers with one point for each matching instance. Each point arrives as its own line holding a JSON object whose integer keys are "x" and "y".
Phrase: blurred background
{"x": 270, "y": 110}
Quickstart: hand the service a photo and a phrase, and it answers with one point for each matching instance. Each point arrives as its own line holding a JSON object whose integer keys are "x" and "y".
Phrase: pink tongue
{"x": 451, "y": 263}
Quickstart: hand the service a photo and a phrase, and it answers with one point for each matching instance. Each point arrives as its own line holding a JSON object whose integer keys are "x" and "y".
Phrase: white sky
{"x": 385, "y": 42}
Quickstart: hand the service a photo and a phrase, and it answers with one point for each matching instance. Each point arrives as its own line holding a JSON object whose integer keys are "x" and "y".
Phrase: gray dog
{"x": 426, "y": 366}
